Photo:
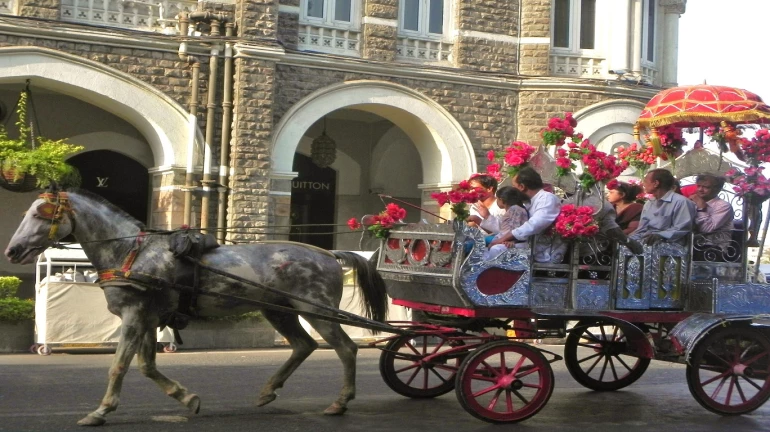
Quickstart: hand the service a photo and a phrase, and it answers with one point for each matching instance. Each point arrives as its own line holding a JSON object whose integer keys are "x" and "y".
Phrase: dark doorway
{"x": 313, "y": 193}
{"x": 119, "y": 179}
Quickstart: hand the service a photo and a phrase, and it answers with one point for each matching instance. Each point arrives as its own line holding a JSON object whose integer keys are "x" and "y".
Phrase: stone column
{"x": 46, "y": 9}
{"x": 256, "y": 18}
{"x": 167, "y": 202}
{"x": 430, "y": 204}
{"x": 486, "y": 35}
{"x": 249, "y": 201}
{"x": 636, "y": 39}
{"x": 535, "y": 38}
{"x": 671, "y": 41}
{"x": 380, "y": 29}
{"x": 620, "y": 29}
{"x": 288, "y": 23}
{"x": 280, "y": 204}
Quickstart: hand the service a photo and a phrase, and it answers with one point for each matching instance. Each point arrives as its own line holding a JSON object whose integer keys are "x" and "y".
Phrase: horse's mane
{"x": 92, "y": 196}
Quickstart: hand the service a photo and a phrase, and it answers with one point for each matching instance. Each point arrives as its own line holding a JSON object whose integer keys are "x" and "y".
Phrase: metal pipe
{"x": 224, "y": 149}
{"x": 211, "y": 106}
{"x": 194, "y": 82}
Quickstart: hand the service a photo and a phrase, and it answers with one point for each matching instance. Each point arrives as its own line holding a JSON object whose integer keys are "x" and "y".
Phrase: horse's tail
{"x": 370, "y": 283}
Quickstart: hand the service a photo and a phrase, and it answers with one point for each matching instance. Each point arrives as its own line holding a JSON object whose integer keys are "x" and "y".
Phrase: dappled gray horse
{"x": 129, "y": 260}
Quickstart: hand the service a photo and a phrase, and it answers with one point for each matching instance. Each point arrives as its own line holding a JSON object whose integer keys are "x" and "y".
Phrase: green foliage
{"x": 9, "y": 286}
{"x": 13, "y": 309}
{"x": 45, "y": 160}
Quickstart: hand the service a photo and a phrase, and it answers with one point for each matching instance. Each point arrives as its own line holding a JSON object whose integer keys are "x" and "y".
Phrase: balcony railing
{"x": 423, "y": 50}
{"x": 574, "y": 65}
{"x": 650, "y": 74}
{"x": 329, "y": 40}
{"x": 158, "y": 16}
{"x": 6, "y": 6}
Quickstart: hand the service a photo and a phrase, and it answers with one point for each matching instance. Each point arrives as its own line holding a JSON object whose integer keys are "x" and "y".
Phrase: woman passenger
{"x": 623, "y": 198}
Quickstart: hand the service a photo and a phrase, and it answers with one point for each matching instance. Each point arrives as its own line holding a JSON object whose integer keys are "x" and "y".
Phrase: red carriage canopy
{"x": 692, "y": 106}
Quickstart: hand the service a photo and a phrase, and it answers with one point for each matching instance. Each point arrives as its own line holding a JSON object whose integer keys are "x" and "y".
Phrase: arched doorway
{"x": 117, "y": 178}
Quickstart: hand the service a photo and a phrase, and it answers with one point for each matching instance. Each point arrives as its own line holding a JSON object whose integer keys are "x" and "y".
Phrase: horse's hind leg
{"x": 302, "y": 346}
{"x": 146, "y": 359}
{"x": 346, "y": 350}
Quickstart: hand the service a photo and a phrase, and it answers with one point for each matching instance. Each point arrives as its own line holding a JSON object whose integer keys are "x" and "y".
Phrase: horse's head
{"x": 48, "y": 220}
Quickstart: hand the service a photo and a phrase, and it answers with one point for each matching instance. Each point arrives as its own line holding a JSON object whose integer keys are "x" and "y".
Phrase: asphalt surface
{"x": 51, "y": 393}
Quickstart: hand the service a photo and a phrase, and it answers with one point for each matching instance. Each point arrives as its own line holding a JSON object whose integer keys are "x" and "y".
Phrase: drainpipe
{"x": 211, "y": 106}
{"x": 227, "y": 120}
{"x": 184, "y": 24}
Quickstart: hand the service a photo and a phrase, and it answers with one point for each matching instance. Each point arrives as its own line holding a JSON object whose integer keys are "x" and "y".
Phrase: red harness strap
{"x": 125, "y": 270}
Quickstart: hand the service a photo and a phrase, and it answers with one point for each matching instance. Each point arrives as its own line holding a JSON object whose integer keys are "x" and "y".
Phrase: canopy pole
{"x": 761, "y": 246}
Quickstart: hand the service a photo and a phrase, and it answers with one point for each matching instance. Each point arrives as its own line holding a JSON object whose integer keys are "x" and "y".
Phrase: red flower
{"x": 491, "y": 155}
{"x": 613, "y": 184}
{"x": 354, "y": 224}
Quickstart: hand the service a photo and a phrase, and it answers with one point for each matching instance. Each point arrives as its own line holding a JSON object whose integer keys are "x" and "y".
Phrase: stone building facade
{"x": 220, "y": 102}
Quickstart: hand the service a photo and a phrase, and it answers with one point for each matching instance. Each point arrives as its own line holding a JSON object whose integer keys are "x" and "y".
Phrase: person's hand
{"x": 650, "y": 239}
{"x": 494, "y": 242}
{"x": 635, "y": 247}
{"x": 699, "y": 202}
{"x": 509, "y": 244}
{"x": 482, "y": 209}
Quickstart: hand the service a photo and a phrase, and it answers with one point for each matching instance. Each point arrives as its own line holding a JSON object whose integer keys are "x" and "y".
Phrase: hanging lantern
{"x": 323, "y": 150}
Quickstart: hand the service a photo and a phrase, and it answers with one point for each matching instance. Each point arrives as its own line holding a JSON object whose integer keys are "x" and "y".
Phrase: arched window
{"x": 573, "y": 25}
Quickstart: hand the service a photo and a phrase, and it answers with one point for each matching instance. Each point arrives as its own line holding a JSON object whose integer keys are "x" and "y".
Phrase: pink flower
{"x": 491, "y": 155}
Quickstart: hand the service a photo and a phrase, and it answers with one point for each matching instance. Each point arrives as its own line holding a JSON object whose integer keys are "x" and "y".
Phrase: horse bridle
{"x": 53, "y": 209}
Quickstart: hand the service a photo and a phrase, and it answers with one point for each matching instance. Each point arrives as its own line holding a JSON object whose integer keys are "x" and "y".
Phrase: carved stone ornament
{"x": 545, "y": 165}
{"x": 700, "y": 161}
{"x": 674, "y": 6}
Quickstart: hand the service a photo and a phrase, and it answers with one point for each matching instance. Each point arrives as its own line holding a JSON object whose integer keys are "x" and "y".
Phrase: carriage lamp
{"x": 323, "y": 150}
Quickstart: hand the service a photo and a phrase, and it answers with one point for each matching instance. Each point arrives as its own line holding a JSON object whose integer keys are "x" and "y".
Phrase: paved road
{"x": 52, "y": 393}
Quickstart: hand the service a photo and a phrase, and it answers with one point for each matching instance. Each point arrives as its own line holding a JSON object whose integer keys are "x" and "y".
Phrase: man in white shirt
{"x": 543, "y": 209}
{"x": 486, "y": 213}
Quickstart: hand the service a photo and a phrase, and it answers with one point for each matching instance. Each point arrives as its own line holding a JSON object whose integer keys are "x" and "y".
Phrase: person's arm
{"x": 715, "y": 216}
{"x": 540, "y": 218}
{"x": 632, "y": 226}
{"x": 491, "y": 224}
{"x": 642, "y": 228}
{"x": 682, "y": 220}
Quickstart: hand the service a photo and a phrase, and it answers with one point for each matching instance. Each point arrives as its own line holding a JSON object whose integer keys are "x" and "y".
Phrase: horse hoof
{"x": 92, "y": 420}
{"x": 264, "y": 400}
{"x": 193, "y": 403}
{"x": 335, "y": 409}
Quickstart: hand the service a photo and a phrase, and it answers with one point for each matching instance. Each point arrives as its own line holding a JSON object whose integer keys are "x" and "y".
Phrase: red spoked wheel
{"x": 729, "y": 371}
{"x": 504, "y": 382}
{"x": 595, "y": 356}
{"x": 406, "y": 367}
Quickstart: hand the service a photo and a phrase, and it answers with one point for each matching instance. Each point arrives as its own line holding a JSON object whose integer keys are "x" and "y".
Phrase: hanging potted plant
{"x": 28, "y": 162}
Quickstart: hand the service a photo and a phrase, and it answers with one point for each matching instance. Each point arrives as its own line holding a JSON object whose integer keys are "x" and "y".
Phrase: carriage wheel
{"x": 170, "y": 348}
{"x": 595, "y": 355}
{"x": 504, "y": 382}
{"x": 403, "y": 369}
{"x": 44, "y": 350}
{"x": 729, "y": 372}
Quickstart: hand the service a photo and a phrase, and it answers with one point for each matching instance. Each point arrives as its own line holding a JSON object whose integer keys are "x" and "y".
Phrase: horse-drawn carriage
{"x": 688, "y": 303}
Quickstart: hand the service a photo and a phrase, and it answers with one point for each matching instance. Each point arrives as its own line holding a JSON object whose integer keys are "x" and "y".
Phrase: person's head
{"x": 623, "y": 193}
{"x": 709, "y": 186}
{"x": 508, "y": 197}
{"x": 658, "y": 182}
{"x": 484, "y": 181}
{"x": 528, "y": 181}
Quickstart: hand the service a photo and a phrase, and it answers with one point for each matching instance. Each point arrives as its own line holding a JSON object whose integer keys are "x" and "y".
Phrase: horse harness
{"x": 53, "y": 209}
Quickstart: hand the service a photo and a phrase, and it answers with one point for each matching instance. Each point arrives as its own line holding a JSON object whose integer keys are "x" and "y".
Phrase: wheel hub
{"x": 743, "y": 370}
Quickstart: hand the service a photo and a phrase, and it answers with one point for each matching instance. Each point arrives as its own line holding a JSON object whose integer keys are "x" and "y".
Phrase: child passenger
{"x": 512, "y": 200}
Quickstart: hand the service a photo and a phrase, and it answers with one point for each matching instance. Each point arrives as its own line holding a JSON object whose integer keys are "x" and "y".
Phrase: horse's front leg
{"x": 148, "y": 368}
{"x": 132, "y": 333}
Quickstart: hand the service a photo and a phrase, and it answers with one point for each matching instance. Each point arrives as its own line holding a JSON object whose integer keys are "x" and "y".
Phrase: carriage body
{"x": 675, "y": 302}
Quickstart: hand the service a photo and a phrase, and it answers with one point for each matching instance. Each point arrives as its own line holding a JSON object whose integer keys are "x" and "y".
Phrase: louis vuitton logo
{"x": 101, "y": 182}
